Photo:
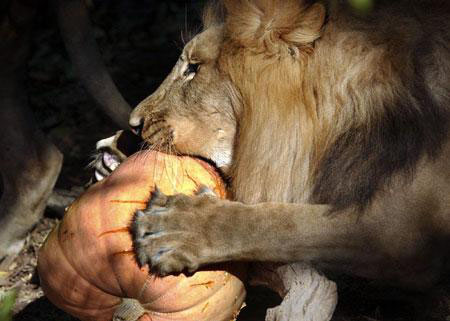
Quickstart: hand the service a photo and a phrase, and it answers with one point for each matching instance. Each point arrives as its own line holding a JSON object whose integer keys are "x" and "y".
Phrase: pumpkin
{"x": 87, "y": 264}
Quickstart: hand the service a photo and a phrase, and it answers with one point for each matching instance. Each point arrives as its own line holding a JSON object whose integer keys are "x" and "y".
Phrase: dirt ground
{"x": 139, "y": 53}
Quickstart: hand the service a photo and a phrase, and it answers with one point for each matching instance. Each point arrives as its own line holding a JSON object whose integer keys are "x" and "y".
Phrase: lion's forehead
{"x": 205, "y": 47}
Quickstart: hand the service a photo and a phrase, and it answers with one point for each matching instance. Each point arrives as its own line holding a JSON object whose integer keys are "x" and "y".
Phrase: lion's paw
{"x": 170, "y": 234}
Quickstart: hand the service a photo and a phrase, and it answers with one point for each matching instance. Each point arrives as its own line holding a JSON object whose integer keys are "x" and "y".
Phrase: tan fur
{"x": 307, "y": 100}
{"x": 316, "y": 105}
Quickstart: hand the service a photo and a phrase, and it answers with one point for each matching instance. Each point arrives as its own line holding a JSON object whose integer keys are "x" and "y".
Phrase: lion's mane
{"x": 335, "y": 105}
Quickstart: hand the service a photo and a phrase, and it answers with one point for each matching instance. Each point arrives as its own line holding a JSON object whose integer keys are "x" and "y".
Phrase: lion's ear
{"x": 309, "y": 26}
{"x": 271, "y": 24}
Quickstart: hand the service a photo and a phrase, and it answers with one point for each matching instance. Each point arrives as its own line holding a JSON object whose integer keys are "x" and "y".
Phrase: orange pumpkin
{"x": 87, "y": 264}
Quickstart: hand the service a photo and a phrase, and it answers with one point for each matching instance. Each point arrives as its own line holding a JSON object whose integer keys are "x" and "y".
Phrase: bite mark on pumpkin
{"x": 130, "y": 202}
{"x": 126, "y": 252}
{"x": 118, "y": 230}
{"x": 206, "y": 284}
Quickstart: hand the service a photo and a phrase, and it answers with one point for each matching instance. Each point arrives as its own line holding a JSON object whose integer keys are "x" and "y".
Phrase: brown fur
{"x": 314, "y": 105}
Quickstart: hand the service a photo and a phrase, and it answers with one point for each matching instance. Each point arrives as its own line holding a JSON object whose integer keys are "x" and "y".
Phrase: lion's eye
{"x": 191, "y": 69}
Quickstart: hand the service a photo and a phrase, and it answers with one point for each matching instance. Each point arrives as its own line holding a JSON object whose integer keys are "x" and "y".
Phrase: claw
{"x": 135, "y": 229}
{"x": 192, "y": 268}
{"x": 141, "y": 258}
{"x": 158, "y": 211}
{"x": 205, "y": 190}
{"x": 139, "y": 214}
{"x": 154, "y": 234}
{"x": 160, "y": 253}
{"x": 157, "y": 198}
{"x": 156, "y": 192}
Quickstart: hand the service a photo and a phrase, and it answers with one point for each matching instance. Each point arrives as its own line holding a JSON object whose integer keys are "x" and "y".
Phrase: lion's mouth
{"x": 158, "y": 135}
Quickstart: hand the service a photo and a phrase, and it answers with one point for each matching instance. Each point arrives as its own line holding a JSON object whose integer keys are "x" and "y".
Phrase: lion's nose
{"x": 136, "y": 123}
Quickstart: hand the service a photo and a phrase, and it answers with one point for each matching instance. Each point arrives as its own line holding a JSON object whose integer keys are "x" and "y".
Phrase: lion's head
{"x": 195, "y": 111}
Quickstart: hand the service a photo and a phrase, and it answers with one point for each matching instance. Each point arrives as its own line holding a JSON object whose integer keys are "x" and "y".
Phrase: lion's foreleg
{"x": 186, "y": 232}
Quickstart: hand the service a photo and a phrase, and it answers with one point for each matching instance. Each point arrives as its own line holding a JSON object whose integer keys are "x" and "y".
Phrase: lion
{"x": 332, "y": 129}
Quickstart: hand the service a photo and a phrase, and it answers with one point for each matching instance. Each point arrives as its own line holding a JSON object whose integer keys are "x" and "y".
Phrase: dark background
{"x": 139, "y": 40}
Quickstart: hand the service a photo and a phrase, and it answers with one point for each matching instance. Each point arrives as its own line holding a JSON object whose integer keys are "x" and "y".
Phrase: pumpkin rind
{"x": 87, "y": 265}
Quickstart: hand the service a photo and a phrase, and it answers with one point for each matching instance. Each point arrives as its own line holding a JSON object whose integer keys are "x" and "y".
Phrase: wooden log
{"x": 307, "y": 294}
